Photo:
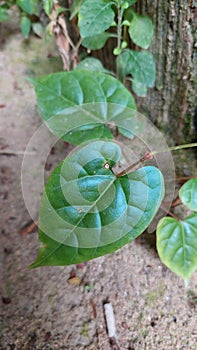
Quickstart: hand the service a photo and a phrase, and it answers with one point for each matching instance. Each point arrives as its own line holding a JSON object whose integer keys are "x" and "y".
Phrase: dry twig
{"x": 28, "y": 228}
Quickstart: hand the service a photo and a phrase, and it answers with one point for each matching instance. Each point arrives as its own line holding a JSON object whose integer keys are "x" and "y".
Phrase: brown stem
{"x": 185, "y": 178}
{"x": 176, "y": 202}
{"x": 130, "y": 167}
{"x": 170, "y": 213}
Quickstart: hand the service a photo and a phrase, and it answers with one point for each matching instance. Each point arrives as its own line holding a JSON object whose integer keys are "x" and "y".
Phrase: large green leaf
{"x": 188, "y": 194}
{"x": 95, "y": 17}
{"x": 86, "y": 211}
{"x": 177, "y": 244}
{"x": 141, "y": 30}
{"x": 69, "y": 101}
{"x": 140, "y": 65}
{"x": 96, "y": 42}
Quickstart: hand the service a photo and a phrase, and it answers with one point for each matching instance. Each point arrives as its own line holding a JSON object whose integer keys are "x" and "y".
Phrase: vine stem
{"x": 150, "y": 155}
{"x": 176, "y": 148}
{"x": 119, "y": 31}
{"x": 170, "y": 213}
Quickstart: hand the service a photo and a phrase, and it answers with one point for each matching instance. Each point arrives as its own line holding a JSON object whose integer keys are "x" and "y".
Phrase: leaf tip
{"x": 31, "y": 80}
{"x": 34, "y": 265}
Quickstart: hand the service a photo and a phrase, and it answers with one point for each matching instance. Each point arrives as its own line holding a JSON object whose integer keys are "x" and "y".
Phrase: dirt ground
{"x": 42, "y": 308}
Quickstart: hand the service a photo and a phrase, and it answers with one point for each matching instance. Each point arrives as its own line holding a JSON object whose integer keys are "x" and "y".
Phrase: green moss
{"x": 152, "y": 296}
{"x": 84, "y": 330}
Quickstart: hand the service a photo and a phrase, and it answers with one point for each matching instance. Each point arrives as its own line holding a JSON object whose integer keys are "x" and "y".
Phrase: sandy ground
{"x": 42, "y": 308}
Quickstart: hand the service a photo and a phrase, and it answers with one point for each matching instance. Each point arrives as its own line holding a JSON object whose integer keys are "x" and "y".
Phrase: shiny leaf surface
{"x": 71, "y": 101}
{"x": 141, "y": 30}
{"x": 95, "y": 17}
{"x": 177, "y": 244}
{"x": 86, "y": 211}
{"x": 188, "y": 194}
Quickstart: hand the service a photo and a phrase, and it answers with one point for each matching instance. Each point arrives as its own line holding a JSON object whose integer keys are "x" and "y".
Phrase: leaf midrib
{"x": 139, "y": 66}
{"x": 98, "y": 14}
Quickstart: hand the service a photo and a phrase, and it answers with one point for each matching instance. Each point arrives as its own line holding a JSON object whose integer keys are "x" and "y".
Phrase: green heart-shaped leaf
{"x": 188, "y": 194}
{"x": 25, "y": 25}
{"x": 71, "y": 101}
{"x": 177, "y": 244}
{"x": 140, "y": 65}
{"x": 87, "y": 211}
{"x": 95, "y": 17}
{"x": 141, "y": 30}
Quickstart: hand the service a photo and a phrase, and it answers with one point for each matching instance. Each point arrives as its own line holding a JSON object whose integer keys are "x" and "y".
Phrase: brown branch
{"x": 28, "y": 228}
{"x": 170, "y": 213}
{"x": 176, "y": 202}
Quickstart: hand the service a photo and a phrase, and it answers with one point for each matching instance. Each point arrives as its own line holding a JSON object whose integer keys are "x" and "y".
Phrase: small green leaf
{"x": 86, "y": 211}
{"x": 29, "y": 6}
{"x": 76, "y": 7}
{"x": 60, "y": 10}
{"x": 125, "y": 5}
{"x": 95, "y": 17}
{"x": 117, "y": 51}
{"x": 188, "y": 194}
{"x": 96, "y": 42}
{"x": 177, "y": 244}
{"x": 48, "y": 5}
{"x": 141, "y": 30}
{"x": 3, "y": 14}
{"x": 25, "y": 25}
{"x": 38, "y": 29}
{"x": 80, "y": 98}
{"x": 124, "y": 45}
{"x": 48, "y": 33}
{"x": 126, "y": 23}
{"x": 139, "y": 88}
{"x": 140, "y": 65}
